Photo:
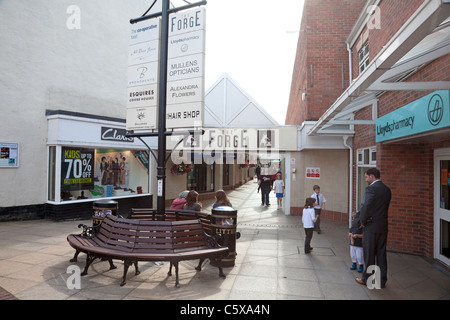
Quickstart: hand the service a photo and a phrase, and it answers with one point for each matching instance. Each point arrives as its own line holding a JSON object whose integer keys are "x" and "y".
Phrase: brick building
{"x": 393, "y": 109}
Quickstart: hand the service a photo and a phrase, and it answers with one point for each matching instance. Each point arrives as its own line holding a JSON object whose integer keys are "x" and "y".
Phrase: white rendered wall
{"x": 45, "y": 65}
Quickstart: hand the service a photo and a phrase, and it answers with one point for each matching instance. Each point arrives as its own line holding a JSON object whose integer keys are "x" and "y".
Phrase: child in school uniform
{"x": 308, "y": 218}
{"x": 320, "y": 204}
{"x": 278, "y": 185}
{"x": 356, "y": 248}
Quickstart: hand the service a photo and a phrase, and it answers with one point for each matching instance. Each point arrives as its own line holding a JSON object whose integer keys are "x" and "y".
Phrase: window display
{"x": 445, "y": 185}
{"x": 88, "y": 173}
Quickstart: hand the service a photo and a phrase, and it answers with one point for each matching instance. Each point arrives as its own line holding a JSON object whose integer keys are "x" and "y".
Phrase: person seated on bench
{"x": 192, "y": 202}
{"x": 179, "y": 202}
{"x": 221, "y": 199}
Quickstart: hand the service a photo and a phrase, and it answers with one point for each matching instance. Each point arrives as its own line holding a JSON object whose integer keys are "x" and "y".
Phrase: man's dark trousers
{"x": 374, "y": 246}
{"x": 265, "y": 191}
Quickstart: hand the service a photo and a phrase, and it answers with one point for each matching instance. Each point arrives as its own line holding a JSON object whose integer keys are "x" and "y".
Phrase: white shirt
{"x": 278, "y": 186}
{"x": 322, "y": 200}
{"x": 308, "y": 218}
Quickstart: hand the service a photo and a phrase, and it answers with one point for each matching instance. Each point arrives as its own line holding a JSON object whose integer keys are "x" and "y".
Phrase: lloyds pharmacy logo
{"x": 435, "y": 109}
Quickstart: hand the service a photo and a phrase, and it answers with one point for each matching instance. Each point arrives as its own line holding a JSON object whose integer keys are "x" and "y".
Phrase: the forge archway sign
{"x": 169, "y": 84}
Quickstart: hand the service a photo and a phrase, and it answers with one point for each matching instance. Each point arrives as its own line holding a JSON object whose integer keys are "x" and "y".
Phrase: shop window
{"x": 366, "y": 158}
{"x": 51, "y": 173}
{"x": 444, "y": 195}
{"x": 88, "y": 173}
{"x": 445, "y": 238}
{"x": 363, "y": 56}
{"x": 226, "y": 174}
{"x": 201, "y": 178}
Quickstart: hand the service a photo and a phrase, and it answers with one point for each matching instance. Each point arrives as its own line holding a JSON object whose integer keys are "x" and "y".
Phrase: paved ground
{"x": 270, "y": 265}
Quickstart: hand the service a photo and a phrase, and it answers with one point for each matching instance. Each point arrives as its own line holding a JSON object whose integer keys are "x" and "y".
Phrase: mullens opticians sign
{"x": 186, "y": 69}
{"x": 426, "y": 114}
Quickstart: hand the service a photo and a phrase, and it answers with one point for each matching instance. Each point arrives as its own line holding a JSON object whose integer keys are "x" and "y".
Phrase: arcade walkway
{"x": 270, "y": 265}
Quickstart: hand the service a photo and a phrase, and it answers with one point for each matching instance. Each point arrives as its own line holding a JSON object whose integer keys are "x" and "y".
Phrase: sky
{"x": 254, "y": 42}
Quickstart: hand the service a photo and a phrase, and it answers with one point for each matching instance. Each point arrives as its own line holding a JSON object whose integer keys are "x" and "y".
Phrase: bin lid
{"x": 224, "y": 209}
{"x": 106, "y": 204}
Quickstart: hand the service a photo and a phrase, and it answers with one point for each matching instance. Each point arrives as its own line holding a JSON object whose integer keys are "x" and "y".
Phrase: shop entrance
{"x": 442, "y": 205}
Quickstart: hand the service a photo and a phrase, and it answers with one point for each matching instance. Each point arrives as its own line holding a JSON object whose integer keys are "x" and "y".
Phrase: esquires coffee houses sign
{"x": 143, "y": 69}
{"x": 185, "y": 74}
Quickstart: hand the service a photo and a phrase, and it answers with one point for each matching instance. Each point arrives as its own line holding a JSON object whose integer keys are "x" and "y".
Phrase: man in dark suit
{"x": 374, "y": 218}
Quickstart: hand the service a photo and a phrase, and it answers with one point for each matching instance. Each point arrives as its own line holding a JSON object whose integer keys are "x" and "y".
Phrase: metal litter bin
{"x": 102, "y": 209}
{"x": 223, "y": 223}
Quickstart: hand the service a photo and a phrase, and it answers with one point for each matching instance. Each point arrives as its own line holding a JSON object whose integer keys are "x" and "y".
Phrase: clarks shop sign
{"x": 426, "y": 114}
{"x": 115, "y": 134}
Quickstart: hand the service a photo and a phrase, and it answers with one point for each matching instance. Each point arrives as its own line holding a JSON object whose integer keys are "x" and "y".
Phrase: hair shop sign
{"x": 115, "y": 134}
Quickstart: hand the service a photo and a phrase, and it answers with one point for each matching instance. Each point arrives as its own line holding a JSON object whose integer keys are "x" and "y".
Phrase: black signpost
{"x": 162, "y": 132}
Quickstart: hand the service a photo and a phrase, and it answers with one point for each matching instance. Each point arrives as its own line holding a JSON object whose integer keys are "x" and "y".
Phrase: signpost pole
{"x": 162, "y": 104}
{"x": 161, "y": 171}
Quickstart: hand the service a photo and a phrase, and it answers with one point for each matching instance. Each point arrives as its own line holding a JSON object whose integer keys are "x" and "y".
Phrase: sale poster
{"x": 77, "y": 169}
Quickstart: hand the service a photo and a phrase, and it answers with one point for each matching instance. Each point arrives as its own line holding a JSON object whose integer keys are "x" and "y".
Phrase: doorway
{"x": 442, "y": 205}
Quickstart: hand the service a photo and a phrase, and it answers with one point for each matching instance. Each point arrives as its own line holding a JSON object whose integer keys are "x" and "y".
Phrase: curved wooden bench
{"x": 172, "y": 215}
{"x": 139, "y": 240}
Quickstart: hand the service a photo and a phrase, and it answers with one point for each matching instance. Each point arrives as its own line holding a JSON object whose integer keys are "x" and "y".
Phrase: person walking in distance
{"x": 374, "y": 218}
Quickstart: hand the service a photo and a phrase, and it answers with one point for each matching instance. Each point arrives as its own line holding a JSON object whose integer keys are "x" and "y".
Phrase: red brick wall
{"x": 392, "y": 16}
{"x": 407, "y": 168}
{"x": 324, "y": 29}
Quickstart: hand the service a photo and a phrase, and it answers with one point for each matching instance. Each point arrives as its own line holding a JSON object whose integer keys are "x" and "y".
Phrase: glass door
{"x": 442, "y": 205}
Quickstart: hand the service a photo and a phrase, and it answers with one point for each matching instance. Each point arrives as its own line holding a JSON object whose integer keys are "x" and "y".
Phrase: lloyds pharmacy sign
{"x": 426, "y": 114}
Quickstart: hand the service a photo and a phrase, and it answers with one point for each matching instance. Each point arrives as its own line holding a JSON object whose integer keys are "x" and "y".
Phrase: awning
{"x": 422, "y": 39}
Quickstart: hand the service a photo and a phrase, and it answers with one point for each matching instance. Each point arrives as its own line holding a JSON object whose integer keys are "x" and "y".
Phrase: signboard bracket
{"x": 173, "y": 10}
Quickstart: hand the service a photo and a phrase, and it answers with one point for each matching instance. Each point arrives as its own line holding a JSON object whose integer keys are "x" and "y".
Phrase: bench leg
{"x": 75, "y": 257}
{"x": 126, "y": 265}
{"x": 111, "y": 265}
{"x": 136, "y": 268}
{"x": 199, "y": 267}
{"x": 89, "y": 259}
{"x": 219, "y": 264}
{"x": 170, "y": 269}
{"x": 177, "y": 282}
